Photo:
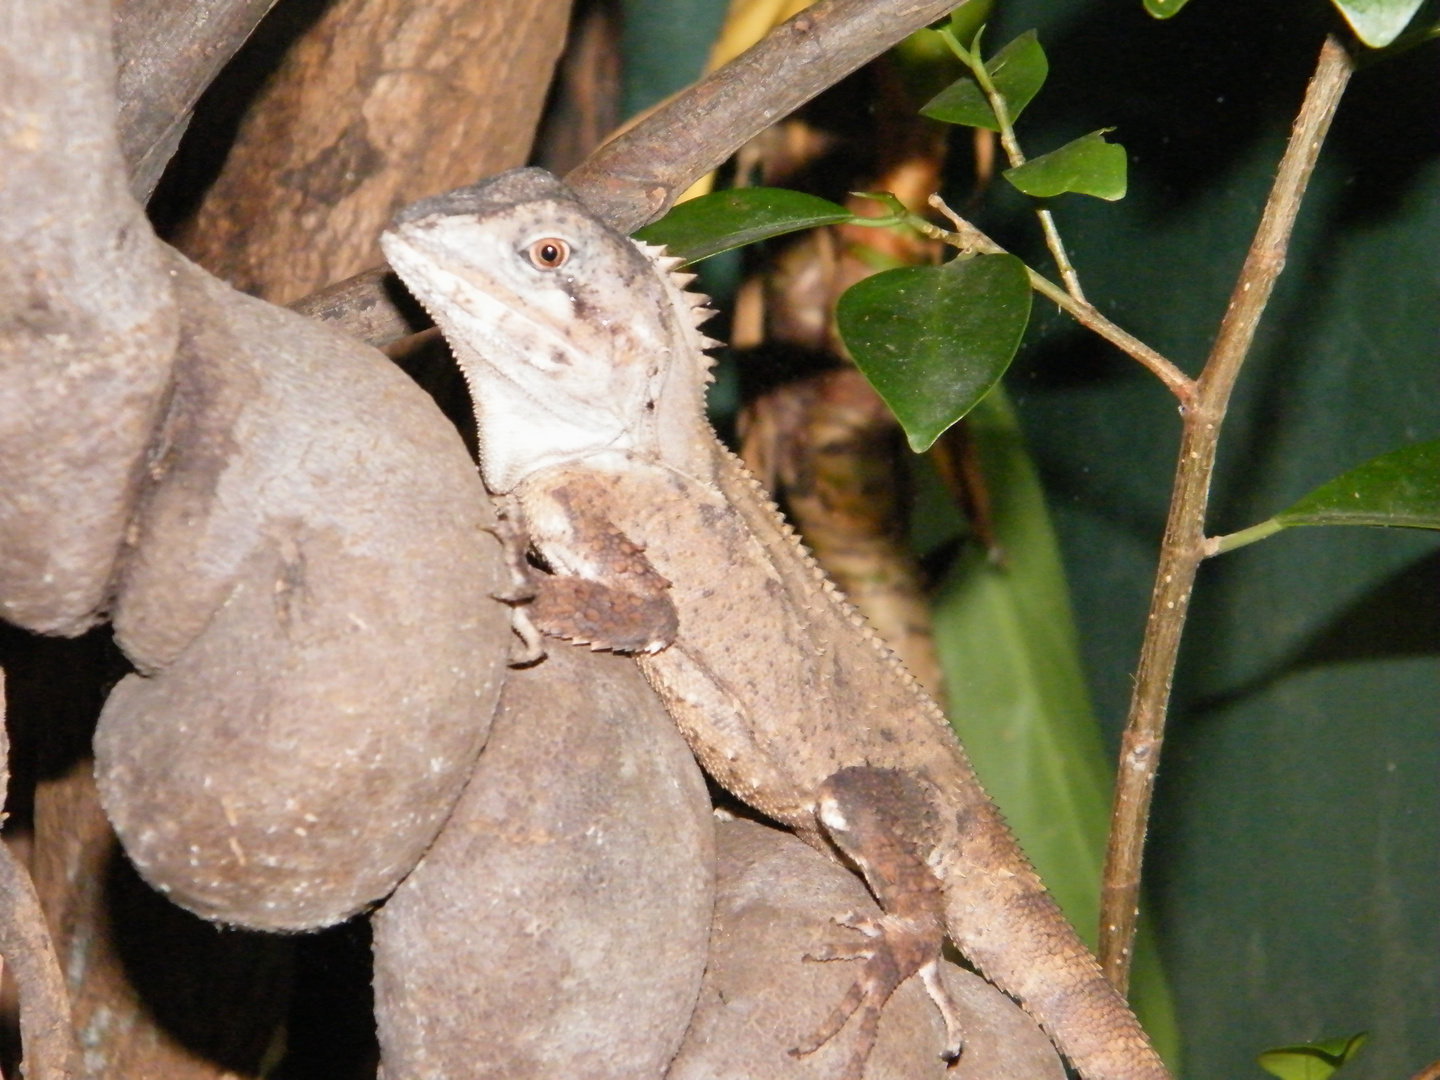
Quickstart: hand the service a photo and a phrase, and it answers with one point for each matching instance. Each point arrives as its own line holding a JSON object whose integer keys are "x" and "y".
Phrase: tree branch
{"x": 635, "y": 177}
{"x": 1183, "y": 547}
{"x": 968, "y": 238}
{"x": 46, "y": 1035}
{"x": 166, "y": 54}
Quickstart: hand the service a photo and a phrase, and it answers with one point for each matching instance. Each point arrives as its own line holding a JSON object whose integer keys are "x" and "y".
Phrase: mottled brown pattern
{"x": 629, "y": 611}
{"x": 774, "y": 903}
{"x": 774, "y": 679}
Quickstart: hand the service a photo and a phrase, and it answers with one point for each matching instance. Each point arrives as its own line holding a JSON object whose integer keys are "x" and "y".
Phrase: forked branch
{"x": 968, "y": 238}
{"x": 1183, "y": 546}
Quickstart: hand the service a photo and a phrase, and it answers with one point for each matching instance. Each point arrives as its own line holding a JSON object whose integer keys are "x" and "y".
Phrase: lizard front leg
{"x": 602, "y": 592}
{"x": 883, "y": 820}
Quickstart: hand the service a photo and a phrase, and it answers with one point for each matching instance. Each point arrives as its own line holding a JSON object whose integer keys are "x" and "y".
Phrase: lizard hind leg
{"x": 880, "y": 819}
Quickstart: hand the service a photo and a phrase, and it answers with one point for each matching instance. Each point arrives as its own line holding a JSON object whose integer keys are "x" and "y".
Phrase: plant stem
{"x": 1218, "y": 545}
{"x": 1184, "y": 544}
{"x": 1001, "y": 108}
{"x": 967, "y": 237}
{"x": 1057, "y": 250}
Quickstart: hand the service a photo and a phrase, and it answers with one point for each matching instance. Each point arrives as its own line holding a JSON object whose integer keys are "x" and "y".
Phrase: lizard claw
{"x": 532, "y": 647}
{"x": 509, "y": 529}
{"x": 949, "y": 1012}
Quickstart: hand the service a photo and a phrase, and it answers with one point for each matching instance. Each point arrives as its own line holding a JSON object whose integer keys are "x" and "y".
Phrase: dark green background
{"x": 1295, "y": 856}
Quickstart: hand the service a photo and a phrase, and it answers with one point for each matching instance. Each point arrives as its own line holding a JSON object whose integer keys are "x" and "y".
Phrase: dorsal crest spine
{"x": 692, "y": 308}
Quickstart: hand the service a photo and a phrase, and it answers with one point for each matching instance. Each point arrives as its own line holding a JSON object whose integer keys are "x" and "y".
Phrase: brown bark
{"x": 166, "y": 55}
{"x": 1184, "y": 546}
{"x": 87, "y": 322}
{"x": 636, "y": 177}
{"x": 380, "y": 103}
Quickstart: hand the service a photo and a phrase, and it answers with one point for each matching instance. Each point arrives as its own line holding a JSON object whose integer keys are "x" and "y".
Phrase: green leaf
{"x": 1018, "y": 71}
{"x": 933, "y": 340}
{"x": 724, "y": 220}
{"x": 1163, "y": 9}
{"x": 1087, "y": 166}
{"x": 1378, "y": 22}
{"x": 1399, "y": 489}
{"x": 1311, "y": 1061}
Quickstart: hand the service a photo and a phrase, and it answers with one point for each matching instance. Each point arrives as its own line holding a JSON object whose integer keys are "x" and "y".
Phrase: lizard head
{"x": 575, "y": 341}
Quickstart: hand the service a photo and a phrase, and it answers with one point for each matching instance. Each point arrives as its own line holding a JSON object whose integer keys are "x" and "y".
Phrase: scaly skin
{"x": 588, "y": 374}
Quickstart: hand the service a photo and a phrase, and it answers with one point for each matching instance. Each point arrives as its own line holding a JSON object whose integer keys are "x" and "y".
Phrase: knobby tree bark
{"x": 195, "y": 466}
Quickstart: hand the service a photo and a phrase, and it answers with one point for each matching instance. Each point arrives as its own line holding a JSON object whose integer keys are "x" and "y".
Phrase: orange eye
{"x": 550, "y": 253}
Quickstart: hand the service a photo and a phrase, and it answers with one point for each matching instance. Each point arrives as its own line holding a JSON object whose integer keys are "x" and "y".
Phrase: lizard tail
{"x": 1014, "y": 932}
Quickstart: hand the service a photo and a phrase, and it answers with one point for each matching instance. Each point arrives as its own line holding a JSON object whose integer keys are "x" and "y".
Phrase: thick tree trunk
{"x": 380, "y": 103}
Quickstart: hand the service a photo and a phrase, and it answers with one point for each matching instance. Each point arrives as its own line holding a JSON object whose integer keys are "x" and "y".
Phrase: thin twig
{"x": 1057, "y": 250}
{"x": 46, "y": 1035}
{"x": 635, "y": 177}
{"x": 1001, "y": 108}
{"x": 1184, "y": 544}
{"x": 967, "y": 237}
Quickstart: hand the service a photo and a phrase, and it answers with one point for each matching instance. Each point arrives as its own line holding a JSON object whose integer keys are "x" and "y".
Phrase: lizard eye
{"x": 551, "y": 253}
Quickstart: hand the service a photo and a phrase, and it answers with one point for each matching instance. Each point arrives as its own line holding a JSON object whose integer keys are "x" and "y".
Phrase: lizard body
{"x": 588, "y": 374}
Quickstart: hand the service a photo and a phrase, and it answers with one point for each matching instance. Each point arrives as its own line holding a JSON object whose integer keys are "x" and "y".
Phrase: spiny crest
{"x": 695, "y": 305}
{"x": 836, "y": 595}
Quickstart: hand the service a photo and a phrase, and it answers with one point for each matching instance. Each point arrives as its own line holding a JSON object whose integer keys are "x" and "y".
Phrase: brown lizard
{"x": 588, "y": 377}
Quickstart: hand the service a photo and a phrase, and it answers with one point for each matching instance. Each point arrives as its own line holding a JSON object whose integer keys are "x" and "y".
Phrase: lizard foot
{"x": 637, "y": 619}
{"x": 881, "y": 819}
{"x": 894, "y": 950}
{"x": 509, "y": 529}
